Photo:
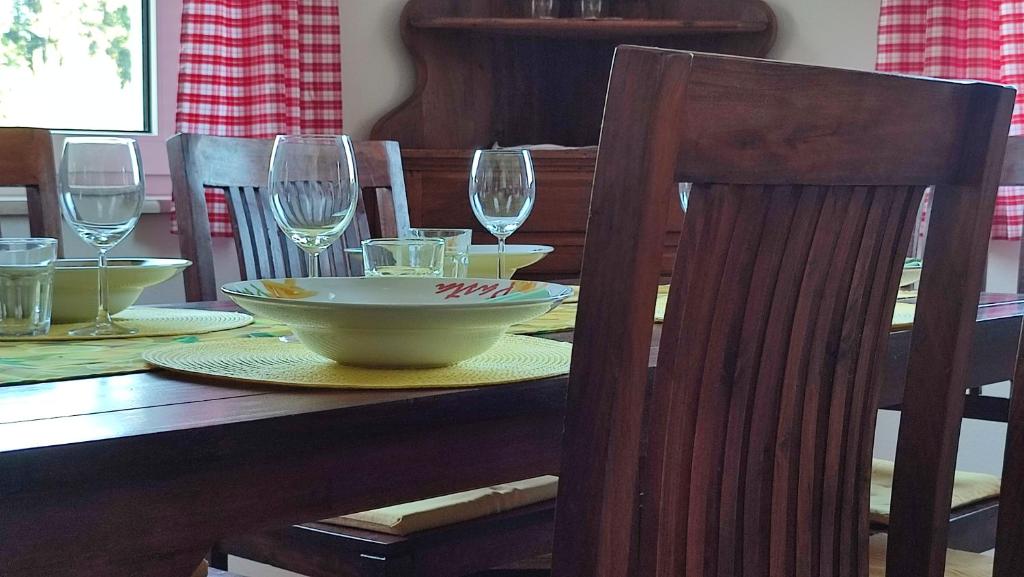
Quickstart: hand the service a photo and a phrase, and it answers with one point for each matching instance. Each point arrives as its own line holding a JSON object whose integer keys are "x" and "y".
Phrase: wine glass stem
{"x": 312, "y": 265}
{"x": 501, "y": 257}
{"x": 102, "y": 313}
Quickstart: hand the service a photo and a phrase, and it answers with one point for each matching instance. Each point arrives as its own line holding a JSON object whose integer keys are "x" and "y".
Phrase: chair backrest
{"x": 239, "y": 167}
{"x": 26, "y": 159}
{"x": 756, "y": 426}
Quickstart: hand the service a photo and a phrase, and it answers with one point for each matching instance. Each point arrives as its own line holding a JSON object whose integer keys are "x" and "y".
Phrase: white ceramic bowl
{"x": 397, "y": 322}
{"x": 483, "y": 258}
{"x": 74, "y": 284}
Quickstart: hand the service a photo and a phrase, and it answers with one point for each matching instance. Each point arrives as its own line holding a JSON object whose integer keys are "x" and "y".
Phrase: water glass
{"x": 101, "y": 192}
{"x": 313, "y": 189}
{"x": 404, "y": 257}
{"x": 591, "y": 9}
{"x": 456, "y": 251}
{"x": 502, "y": 188}
{"x": 684, "y": 194}
{"x": 543, "y": 8}
{"x": 26, "y": 285}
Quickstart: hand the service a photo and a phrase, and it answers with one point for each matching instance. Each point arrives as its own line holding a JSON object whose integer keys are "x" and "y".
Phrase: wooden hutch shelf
{"x": 487, "y": 74}
{"x": 598, "y": 28}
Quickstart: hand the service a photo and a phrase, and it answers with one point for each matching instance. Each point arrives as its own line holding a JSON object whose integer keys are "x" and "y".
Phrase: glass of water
{"x": 313, "y": 191}
{"x": 502, "y": 187}
{"x": 456, "y": 251}
{"x": 101, "y": 193}
{"x": 403, "y": 256}
{"x": 543, "y": 8}
{"x": 591, "y": 9}
{"x": 26, "y": 285}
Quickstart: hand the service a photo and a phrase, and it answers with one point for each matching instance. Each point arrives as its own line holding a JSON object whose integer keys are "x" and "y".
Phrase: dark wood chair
{"x": 747, "y": 450}
{"x": 26, "y": 159}
{"x": 239, "y": 167}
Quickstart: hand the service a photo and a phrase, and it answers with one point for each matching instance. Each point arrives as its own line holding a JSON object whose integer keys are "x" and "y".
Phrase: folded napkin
{"x": 450, "y": 509}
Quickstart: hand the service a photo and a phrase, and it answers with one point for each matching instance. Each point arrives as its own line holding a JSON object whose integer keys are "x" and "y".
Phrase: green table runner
{"x": 32, "y": 362}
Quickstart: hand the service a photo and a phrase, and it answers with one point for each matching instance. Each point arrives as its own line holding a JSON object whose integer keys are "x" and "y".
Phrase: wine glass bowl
{"x": 502, "y": 188}
{"x": 313, "y": 190}
{"x": 101, "y": 192}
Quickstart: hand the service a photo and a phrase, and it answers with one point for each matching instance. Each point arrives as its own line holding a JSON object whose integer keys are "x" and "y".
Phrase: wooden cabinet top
{"x": 486, "y": 73}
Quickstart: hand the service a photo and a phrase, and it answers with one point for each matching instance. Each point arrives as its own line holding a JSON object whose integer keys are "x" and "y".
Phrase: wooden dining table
{"x": 137, "y": 475}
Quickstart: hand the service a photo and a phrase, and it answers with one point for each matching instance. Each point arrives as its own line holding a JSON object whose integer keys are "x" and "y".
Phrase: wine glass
{"x": 502, "y": 187}
{"x": 313, "y": 191}
{"x": 101, "y": 193}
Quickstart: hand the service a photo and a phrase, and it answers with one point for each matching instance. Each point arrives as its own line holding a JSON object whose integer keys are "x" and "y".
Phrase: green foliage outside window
{"x": 107, "y": 31}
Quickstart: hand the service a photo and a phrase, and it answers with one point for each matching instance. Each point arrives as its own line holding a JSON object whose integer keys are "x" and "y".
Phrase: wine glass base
{"x": 103, "y": 330}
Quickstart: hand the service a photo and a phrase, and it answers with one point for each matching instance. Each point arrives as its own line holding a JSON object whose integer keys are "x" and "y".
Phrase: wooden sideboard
{"x": 486, "y": 75}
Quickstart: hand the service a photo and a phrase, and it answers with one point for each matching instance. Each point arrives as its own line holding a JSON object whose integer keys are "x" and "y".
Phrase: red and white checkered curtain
{"x": 258, "y": 68}
{"x": 962, "y": 39}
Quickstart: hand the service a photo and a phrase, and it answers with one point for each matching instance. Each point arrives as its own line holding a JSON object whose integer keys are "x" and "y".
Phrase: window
{"x": 75, "y": 64}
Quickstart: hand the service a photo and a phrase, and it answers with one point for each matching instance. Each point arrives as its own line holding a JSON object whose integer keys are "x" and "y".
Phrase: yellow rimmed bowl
{"x": 397, "y": 322}
{"x": 483, "y": 258}
{"x": 75, "y": 287}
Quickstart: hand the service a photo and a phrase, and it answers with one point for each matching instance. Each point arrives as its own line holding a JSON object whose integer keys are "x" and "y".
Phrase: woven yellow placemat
{"x": 152, "y": 322}
{"x": 563, "y": 317}
{"x": 270, "y": 361}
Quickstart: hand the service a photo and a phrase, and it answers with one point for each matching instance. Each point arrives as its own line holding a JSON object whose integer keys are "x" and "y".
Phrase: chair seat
{"x": 437, "y": 512}
{"x": 958, "y": 563}
{"x": 968, "y": 488}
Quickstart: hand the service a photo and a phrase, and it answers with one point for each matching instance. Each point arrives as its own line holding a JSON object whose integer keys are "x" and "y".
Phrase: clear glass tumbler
{"x": 404, "y": 257}
{"x": 26, "y": 285}
{"x": 591, "y": 9}
{"x": 543, "y": 8}
{"x": 456, "y": 252}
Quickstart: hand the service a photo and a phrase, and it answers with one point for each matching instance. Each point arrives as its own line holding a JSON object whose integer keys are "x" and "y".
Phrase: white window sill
{"x": 11, "y": 206}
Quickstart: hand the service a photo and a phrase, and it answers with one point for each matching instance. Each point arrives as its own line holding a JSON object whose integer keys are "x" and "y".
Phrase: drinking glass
{"x": 101, "y": 193}
{"x": 591, "y": 9}
{"x": 403, "y": 256}
{"x": 502, "y": 187}
{"x": 313, "y": 190}
{"x": 456, "y": 252}
{"x": 684, "y": 194}
{"x": 26, "y": 285}
{"x": 543, "y": 8}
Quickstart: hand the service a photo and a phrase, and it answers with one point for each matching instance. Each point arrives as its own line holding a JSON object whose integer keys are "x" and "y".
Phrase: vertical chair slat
{"x": 241, "y": 222}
